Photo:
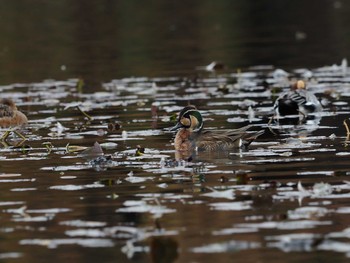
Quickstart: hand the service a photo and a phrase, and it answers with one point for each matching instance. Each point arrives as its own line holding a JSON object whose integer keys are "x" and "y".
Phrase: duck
{"x": 190, "y": 134}
{"x": 11, "y": 117}
{"x": 297, "y": 101}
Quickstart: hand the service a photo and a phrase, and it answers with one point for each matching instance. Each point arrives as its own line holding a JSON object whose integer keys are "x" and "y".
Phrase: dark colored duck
{"x": 191, "y": 135}
{"x": 297, "y": 100}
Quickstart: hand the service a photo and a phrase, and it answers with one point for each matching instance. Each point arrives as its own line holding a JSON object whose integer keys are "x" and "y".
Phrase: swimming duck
{"x": 11, "y": 117}
{"x": 297, "y": 100}
{"x": 191, "y": 135}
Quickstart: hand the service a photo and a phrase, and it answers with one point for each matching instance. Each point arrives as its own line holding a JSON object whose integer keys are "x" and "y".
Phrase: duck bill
{"x": 176, "y": 127}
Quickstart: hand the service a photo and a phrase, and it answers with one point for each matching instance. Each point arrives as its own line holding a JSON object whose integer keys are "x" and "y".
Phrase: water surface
{"x": 284, "y": 199}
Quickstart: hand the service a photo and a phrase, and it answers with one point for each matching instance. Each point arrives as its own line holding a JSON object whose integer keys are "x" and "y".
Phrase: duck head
{"x": 299, "y": 85}
{"x": 189, "y": 118}
{"x": 9, "y": 103}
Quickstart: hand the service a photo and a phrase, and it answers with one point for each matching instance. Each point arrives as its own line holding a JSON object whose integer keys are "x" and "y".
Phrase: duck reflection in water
{"x": 164, "y": 249}
{"x": 191, "y": 136}
{"x": 11, "y": 118}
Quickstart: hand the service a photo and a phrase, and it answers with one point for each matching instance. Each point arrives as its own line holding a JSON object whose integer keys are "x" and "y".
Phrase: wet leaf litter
{"x": 112, "y": 148}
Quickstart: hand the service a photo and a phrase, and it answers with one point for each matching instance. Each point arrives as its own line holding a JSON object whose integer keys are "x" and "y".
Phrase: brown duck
{"x": 11, "y": 117}
{"x": 191, "y": 135}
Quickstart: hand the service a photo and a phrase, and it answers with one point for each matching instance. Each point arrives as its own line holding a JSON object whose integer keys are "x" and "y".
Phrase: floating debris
{"x": 228, "y": 194}
{"x": 139, "y": 151}
{"x": 74, "y": 148}
{"x": 257, "y": 188}
{"x": 231, "y": 246}
{"x": 91, "y": 152}
{"x": 231, "y": 206}
{"x": 84, "y": 242}
{"x": 213, "y": 66}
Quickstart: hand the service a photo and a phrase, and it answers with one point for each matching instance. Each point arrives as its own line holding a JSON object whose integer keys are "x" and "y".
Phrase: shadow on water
{"x": 97, "y": 177}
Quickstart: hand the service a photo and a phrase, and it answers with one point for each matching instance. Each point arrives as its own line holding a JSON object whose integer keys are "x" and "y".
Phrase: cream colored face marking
{"x": 300, "y": 84}
{"x": 185, "y": 122}
{"x": 194, "y": 122}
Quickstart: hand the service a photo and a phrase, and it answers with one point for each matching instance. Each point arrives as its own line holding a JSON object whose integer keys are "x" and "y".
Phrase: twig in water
{"x": 84, "y": 113}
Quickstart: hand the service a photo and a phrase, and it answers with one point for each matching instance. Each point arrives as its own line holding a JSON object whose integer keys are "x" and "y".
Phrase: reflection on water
{"x": 102, "y": 40}
{"x": 126, "y": 197}
{"x": 108, "y": 193}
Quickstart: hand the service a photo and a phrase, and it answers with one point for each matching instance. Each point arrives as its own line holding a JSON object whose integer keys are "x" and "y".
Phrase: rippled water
{"x": 286, "y": 198}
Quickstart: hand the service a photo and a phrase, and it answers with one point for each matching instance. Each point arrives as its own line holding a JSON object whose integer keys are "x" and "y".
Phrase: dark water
{"x": 102, "y": 40}
{"x": 283, "y": 200}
